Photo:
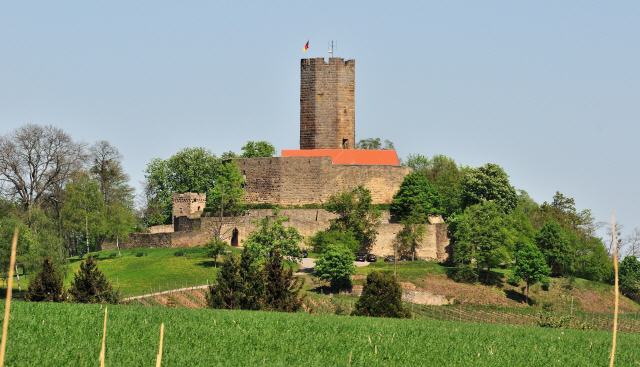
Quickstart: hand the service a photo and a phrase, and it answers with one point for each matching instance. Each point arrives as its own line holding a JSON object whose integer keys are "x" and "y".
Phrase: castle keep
{"x": 327, "y": 104}
{"x": 327, "y": 163}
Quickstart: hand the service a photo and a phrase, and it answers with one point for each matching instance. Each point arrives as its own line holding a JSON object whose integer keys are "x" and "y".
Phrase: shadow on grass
{"x": 468, "y": 275}
{"x": 17, "y": 294}
{"x": 518, "y": 297}
{"x": 207, "y": 264}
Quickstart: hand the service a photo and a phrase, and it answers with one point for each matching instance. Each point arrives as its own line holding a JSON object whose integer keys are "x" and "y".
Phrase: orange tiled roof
{"x": 349, "y": 156}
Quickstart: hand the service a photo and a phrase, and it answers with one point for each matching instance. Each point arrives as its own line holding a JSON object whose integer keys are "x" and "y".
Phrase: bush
{"x": 381, "y": 297}
{"x": 321, "y": 240}
{"x": 91, "y": 286}
{"x": 178, "y": 253}
{"x": 47, "y": 284}
{"x": 336, "y": 266}
{"x": 140, "y": 254}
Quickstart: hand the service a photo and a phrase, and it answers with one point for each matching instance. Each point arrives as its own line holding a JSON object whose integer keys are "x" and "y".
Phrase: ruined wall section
{"x": 290, "y": 181}
{"x": 327, "y": 103}
{"x": 435, "y": 244}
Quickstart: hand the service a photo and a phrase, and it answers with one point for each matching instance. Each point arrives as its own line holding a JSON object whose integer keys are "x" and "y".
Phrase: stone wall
{"x": 303, "y": 180}
{"x": 306, "y": 221}
{"x": 327, "y": 103}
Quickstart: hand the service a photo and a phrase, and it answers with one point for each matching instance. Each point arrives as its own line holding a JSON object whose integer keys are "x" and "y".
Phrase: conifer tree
{"x": 381, "y": 297}
{"x": 282, "y": 288}
{"x": 47, "y": 284}
{"x": 228, "y": 290}
{"x": 252, "y": 277}
{"x": 91, "y": 286}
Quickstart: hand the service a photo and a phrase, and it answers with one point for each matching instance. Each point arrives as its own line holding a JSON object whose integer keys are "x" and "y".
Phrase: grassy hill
{"x": 156, "y": 270}
{"x": 67, "y": 334}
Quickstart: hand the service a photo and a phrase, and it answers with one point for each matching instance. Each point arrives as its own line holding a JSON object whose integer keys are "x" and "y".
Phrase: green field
{"x": 66, "y": 334}
{"x": 159, "y": 269}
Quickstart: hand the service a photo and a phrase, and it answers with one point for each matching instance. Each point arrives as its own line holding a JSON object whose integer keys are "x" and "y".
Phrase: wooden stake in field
{"x": 614, "y": 246}
{"x": 103, "y": 350}
{"x": 7, "y": 304}
{"x": 159, "y": 357}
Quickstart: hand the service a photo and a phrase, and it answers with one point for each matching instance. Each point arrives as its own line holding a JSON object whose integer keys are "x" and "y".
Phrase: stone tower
{"x": 327, "y": 103}
{"x": 189, "y": 204}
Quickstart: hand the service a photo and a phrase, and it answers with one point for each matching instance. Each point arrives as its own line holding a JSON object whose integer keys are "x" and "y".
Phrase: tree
{"x": 488, "y": 183}
{"x": 215, "y": 248}
{"x": 271, "y": 235}
{"x": 554, "y": 244}
{"x": 356, "y": 214}
{"x": 630, "y": 277}
{"x": 409, "y": 239}
{"x": 445, "y": 175}
{"x": 91, "y": 286}
{"x": 336, "y": 266}
{"x": 191, "y": 170}
{"x": 47, "y": 284}
{"x": 34, "y": 160}
{"x": 480, "y": 238}
{"x": 228, "y": 290}
{"x": 374, "y": 144}
{"x": 258, "y": 149}
{"x": 254, "y": 295}
{"x": 106, "y": 168}
{"x": 83, "y": 216}
{"x": 381, "y": 297}
{"x": 282, "y": 289}
{"x": 416, "y": 199}
{"x": 530, "y": 266}
{"x": 323, "y": 239}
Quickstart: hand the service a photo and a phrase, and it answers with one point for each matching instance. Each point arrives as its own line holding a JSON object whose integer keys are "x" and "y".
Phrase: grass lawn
{"x": 159, "y": 269}
{"x": 69, "y": 335}
{"x": 407, "y": 270}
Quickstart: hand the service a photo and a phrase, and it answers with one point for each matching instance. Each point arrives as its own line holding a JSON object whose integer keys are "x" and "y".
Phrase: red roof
{"x": 349, "y": 156}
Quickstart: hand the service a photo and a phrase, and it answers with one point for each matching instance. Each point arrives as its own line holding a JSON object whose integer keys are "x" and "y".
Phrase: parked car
{"x": 372, "y": 258}
{"x": 360, "y": 257}
{"x": 389, "y": 259}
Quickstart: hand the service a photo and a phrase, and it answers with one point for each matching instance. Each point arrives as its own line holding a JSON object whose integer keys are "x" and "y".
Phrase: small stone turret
{"x": 188, "y": 204}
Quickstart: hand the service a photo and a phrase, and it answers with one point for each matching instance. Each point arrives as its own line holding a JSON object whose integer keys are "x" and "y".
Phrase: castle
{"x": 327, "y": 163}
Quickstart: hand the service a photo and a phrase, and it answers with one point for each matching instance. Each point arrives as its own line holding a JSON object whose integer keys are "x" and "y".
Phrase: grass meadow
{"x": 44, "y": 334}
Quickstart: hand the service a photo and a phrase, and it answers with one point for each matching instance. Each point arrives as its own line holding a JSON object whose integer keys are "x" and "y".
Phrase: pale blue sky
{"x": 550, "y": 90}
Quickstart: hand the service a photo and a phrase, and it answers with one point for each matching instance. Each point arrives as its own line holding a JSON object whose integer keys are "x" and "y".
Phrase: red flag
{"x": 306, "y": 47}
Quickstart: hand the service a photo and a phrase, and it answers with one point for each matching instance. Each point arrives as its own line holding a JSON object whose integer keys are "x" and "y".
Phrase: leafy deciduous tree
{"x": 258, "y": 149}
{"x": 356, "y": 214}
{"x": 336, "y": 266}
{"x": 530, "y": 266}
{"x": 272, "y": 235}
{"x": 416, "y": 199}
{"x": 488, "y": 183}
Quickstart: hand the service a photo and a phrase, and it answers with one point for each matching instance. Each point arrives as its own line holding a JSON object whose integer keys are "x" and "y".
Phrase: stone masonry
{"x": 199, "y": 231}
{"x": 327, "y": 103}
{"x": 188, "y": 204}
{"x": 300, "y": 180}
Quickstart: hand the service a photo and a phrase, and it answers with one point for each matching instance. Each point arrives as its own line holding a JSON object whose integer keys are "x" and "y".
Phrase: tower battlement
{"x": 327, "y": 103}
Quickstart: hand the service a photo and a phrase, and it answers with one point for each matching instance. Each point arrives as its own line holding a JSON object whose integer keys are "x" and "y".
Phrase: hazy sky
{"x": 550, "y": 90}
